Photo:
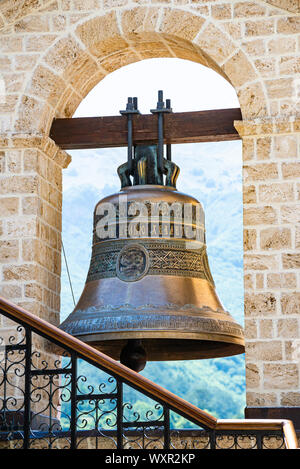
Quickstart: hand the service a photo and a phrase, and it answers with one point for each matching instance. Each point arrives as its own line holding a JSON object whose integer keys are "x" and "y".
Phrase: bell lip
{"x": 160, "y": 334}
{"x": 224, "y": 346}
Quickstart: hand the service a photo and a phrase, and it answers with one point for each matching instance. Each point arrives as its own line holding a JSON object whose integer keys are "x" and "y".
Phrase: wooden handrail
{"x": 286, "y": 426}
{"x": 174, "y": 402}
{"x": 99, "y": 358}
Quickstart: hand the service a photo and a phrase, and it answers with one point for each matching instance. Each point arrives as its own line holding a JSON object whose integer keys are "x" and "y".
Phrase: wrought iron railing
{"x": 49, "y": 399}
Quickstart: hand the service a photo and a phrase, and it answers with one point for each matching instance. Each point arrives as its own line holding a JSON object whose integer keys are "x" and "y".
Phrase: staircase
{"x": 48, "y": 399}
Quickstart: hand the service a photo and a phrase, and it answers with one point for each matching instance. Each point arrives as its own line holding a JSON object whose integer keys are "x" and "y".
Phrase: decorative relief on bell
{"x": 159, "y": 258}
{"x": 132, "y": 263}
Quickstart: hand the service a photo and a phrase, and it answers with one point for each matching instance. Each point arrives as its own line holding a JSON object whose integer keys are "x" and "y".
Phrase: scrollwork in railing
{"x": 143, "y": 430}
{"x": 194, "y": 439}
{"x": 273, "y": 442}
{"x": 12, "y": 373}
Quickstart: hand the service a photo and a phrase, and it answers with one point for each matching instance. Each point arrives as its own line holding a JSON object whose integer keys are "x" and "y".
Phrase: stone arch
{"x": 74, "y": 64}
{"x": 291, "y": 6}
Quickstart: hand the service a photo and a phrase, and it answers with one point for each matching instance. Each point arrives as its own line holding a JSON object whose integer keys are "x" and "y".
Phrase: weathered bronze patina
{"x": 149, "y": 293}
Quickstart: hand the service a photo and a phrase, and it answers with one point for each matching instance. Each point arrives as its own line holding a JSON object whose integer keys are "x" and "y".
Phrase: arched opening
{"x": 210, "y": 172}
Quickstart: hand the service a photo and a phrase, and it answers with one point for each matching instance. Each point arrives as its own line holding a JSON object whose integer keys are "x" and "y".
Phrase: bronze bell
{"x": 149, "y": 293}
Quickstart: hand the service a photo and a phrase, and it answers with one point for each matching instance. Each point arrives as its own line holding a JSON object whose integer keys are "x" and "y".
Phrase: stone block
{"x": 252, "y": 101}
{"x": 41, "y": 42}
{"x": 222, "y": 11}
{"x": 291, "y": 261}
{"x": 249, "y": 195}
{"x": 248, "y": 148}
{"x": 265, "y": 67}
{"x": 259, "y": 281}
{"x": 248, "y": 9}
{"x": 34, "y": 115}
{"x": 11, "y": 291}
{"x": 297, "y": 237}
{"x": 54, "y": 174}
{"x": 249, "y": 240}
{"x": 33, "y": 290}
{"x": 181, "y": 23}
{"x": 18, "y": 184}
{"x": 278, "y": 46}
{"x": 9, "y": 104}
{"x": 2, "y": 162}
{"x": 290, "y": 399}
{"x": 290, "y": 303}
{"x": 260, "y": 172}
{"x": 19, "y": 272}
{"x": 288, "y": 25}
{"x": 31, "y": 206}
{"x": 239, "y": 69}
{"x": 6, "y": 64}
{"x": 261, "y": 399}
{"x": 285, "y": 146}
{"x": 62, "y": 54}
{"x": 278, "y": 281}
{"x": 255, "y": 47}
{"x": 9, "y": 251}
{"x": 25, "y": 62}
{"x": 119, "y": 59}
{"x": 46, "y": 85}
{"x": 261, "y": 304}
{"x": 261, "y": 262}
{"x": 260, "y": 27}
{"x": 14, "y": 161}
{"x": 101, "y": 35}
{"x": 290, "y": 214}
{"x": 288, "y": 328}
{"x": 22, "y": 227}
{"x": 9, "y": 206}
{"x": 252, "y": 376}
{"x": 250, "y": 329}
{"x": 215, "y": 43}
{"x": 33, "y": 307}
{"x": 260, "y": 216}
{"x": 248, "y": 282}
{"x": 276, "y": 192}
{"x": 268, "y": 350}
{"x": 33, "y": 23}
{"x": 137, "y": 20}
{"x": 291, "y": 170}
{"x": 266, "y": 328}
{"x": 280, "y": 87}
{"x": 83, "y": 68}
{"x": 263, "y": 148}
{"x": 291, "y": 350}
{"x": 275, "y": 238}
{"x": 281, "y": 376}
{"x": 11, "y": 44}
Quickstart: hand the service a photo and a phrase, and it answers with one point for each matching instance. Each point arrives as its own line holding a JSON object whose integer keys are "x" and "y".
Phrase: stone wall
{"x": 179, "y": 440}
{"x": 53, "y": 52}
